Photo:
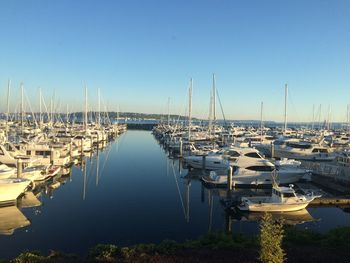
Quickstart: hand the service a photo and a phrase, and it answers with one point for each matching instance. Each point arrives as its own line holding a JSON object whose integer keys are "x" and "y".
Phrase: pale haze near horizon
{"x": 140, "y": 53}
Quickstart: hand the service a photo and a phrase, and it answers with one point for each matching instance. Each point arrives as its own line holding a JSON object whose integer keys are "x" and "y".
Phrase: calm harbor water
{"x": 131, "y": 192}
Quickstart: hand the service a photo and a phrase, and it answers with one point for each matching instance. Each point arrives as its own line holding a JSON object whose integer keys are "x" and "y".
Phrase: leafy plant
{"x": 127, "y": 252}
{"x": 29, "y": 257}
{"x": 104, "y": 251}
{"x": 271, "y": 237}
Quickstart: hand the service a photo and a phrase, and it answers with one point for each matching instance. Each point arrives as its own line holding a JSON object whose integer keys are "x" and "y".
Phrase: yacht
{"x": 12, "y": 188}
{"x": 6, "y": 172}
{"x": 9, "y": 155}
{"x": 302, "y": 150}
{"x": 222, "y": 159}
{"x": 250, "y": 168}
{"x": 255, "y": 176}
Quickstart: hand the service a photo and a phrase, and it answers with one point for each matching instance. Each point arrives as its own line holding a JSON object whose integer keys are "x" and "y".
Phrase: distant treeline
{"x": 112, "y": 115}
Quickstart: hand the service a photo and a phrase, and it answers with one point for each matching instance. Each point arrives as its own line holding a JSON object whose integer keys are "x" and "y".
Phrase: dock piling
{"x": 19, "y": 168}
{"x": 181, "y": 147}
{"x": 203, "y": 162}
{"x": 272, "y": 150}
{"x": 51, "y": 156}
{"x": 229, "y": 178}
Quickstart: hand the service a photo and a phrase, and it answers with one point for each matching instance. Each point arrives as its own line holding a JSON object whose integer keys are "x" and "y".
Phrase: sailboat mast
{"x": 210, "y": 112}
{"x": 22, "y": 107}
{"x": 8, "y": 106}
{"x": 347, "y": 117}
{"x": 313, "y": 116}
{"x": 40, "y": 116}
{"x": 214, "y": 99}
{"x": 190, "y": 109}
{"x": 168, "y": 111}
{"x": 99, "y": 107}
{"x": 51, "y": 110}
{"x": 261, "y": 121}
{"x": 86, "y": 113}
{"x": 319, "y": 116}
{"x": 67, "y": 116}
{"x": 285, "y": 106}
{"x": 329, "y": 117}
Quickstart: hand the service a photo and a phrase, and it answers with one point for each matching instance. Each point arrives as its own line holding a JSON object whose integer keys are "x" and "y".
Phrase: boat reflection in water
{"x": 289, "y": 218}
{"x": 233, "y": 216}
{"x": 11, "y": 218}
{"x": 29, "y": 199}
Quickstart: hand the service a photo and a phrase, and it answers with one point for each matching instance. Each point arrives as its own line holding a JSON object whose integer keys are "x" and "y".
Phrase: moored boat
{"x": 282, "y": 199}
{"x": 12, "y": 188}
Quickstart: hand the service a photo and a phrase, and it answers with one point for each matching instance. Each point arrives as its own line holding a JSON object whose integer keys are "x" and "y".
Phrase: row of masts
{"x": 212, "y": 111}
{"x": 50, "y": 114}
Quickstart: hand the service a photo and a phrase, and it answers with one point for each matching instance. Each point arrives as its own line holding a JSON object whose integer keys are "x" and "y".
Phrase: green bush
{"x": 104, "y": 251}
{"x": 168, "y": 247}
{"x": 271, "y": 236}
{"x": 29, "y": 257}
{"x": 127, "y": 252}
{"x": 145, "y": 248}
{"x": 301, "y": 236}
{"x": 338, "y": 237}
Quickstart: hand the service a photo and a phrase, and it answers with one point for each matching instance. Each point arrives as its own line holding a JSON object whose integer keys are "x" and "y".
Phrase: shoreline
{"x": 299, "y": 245}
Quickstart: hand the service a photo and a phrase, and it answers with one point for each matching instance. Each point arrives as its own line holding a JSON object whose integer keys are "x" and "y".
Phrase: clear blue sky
{"x": 142, "y": 52}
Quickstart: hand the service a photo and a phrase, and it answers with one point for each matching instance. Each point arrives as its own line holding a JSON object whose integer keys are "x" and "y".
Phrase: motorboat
{"x": 250, "y": 168}
{"x": 302, "y": 150}
{"x": 9, "y": 155}
{"x": 246, "y": 177}
{"x": 223, "y": 158}
{"x": 40, "y": 173}
{"x": 282, "y": 199}
{"x": 12, "y": 188}
{"x": 6, "y": 172}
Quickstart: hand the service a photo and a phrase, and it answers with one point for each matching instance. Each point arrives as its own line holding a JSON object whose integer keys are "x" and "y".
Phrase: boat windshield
{"x": 319, "y": 150}
{"x": 232, "y": 153}
{"x": 299, "y": 145}
{"x": 288, "y": 195}
{"x": 261, "y": 168}
{"x": 253, "y": 155}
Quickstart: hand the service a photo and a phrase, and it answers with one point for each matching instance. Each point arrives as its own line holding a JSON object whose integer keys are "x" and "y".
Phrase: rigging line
{"x": 47, "y": 112}
{"x": 178, "y": 189}
{"x": 222, "y": 110}
{"x": 177, "y": 123}
{"x": 92, "y": 169}
{"x": 105, "y": 161}
{"x": 293, "y": 105}
{"x": 30, "y": 107}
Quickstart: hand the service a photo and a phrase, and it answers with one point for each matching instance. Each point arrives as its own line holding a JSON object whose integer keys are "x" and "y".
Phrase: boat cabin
{"x": 282, "y": 194}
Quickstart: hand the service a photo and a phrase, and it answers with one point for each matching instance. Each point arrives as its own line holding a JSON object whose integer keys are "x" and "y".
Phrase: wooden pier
{"x": 331, "y": 201}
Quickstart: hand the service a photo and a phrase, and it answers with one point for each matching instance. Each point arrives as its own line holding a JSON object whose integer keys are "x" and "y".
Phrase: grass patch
{"x": 337, "y": 237}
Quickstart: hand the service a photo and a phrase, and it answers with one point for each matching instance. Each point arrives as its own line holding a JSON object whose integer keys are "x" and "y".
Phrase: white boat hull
{"x": 211, "y": 163}
{"x": 11, "y": 189}
{"x": 264, "y": 204}
{"x": 264, "y": 179}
